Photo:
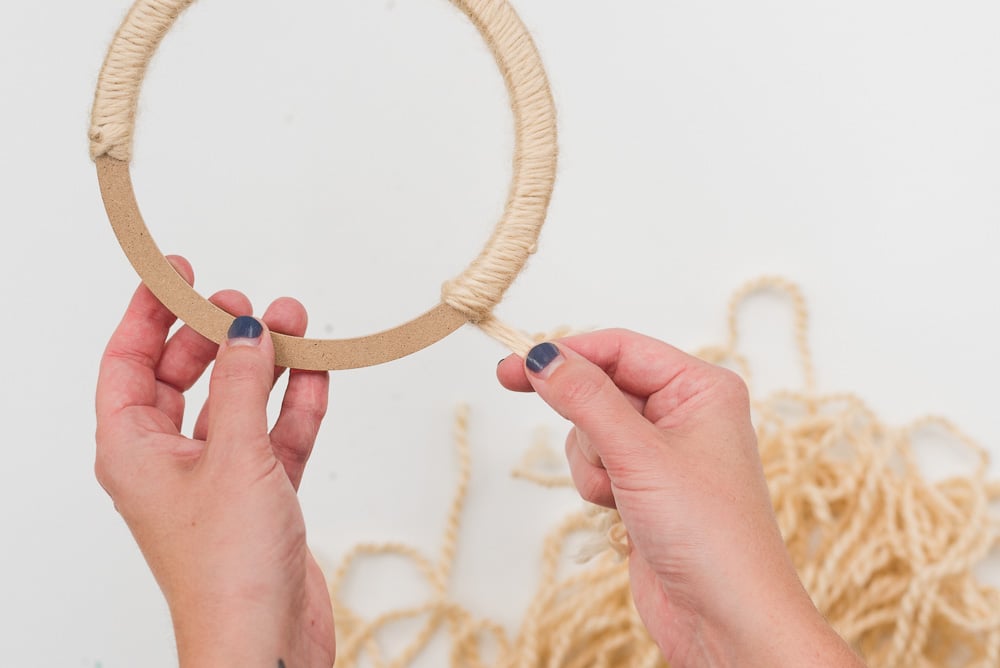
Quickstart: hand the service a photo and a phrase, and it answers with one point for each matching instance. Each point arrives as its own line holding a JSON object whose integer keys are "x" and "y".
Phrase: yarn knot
{"x": 474, "y": 294}
{"x": 472, "y": 297}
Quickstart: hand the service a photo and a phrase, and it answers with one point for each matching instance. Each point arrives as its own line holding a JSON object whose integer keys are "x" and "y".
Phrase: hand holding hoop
{"x": 470, "y": 297}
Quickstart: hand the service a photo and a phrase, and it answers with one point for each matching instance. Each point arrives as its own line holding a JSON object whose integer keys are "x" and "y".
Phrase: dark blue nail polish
{"x": 541, "y": 356}
{"x": 245, "y": 327}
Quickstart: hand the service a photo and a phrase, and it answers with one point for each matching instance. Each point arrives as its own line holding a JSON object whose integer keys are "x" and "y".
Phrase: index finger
{"x": 128, "y": 369}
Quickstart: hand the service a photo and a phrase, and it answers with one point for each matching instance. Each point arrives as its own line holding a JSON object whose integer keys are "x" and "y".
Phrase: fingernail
{"x": 542, "y": 359}
{"x": 245, "y": 331}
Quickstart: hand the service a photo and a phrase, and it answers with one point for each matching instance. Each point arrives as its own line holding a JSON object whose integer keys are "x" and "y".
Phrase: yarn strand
{"x": 887, "y": 555}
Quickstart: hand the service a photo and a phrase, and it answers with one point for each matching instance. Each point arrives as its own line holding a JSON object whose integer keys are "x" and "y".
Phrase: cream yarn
{"x": 886, "y": 553}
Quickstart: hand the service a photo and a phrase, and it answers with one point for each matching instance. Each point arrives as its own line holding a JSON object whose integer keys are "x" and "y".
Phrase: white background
{"x": 355, "y": 154}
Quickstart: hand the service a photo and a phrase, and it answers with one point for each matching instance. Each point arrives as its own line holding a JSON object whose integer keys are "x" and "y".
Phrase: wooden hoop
{"x": 513, "y": 239}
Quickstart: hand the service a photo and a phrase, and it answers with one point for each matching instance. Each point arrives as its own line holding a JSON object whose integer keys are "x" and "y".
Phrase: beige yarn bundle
{"x": 886, "y": 553}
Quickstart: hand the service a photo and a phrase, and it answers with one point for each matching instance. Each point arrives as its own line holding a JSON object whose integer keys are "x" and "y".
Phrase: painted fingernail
{"x": 245, "y": 331}
{"x": 541, "y": 358}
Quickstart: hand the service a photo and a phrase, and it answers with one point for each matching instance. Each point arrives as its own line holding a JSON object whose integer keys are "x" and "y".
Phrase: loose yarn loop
{"x": 886, "y": 553}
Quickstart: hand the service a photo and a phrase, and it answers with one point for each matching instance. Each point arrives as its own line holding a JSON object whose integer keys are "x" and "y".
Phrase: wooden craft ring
{"x": 468, "y": 297}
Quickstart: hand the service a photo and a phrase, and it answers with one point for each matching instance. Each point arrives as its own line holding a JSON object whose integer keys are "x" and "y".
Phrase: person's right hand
{"x": 667, "y": 440}
{"x": 216, "y": 515}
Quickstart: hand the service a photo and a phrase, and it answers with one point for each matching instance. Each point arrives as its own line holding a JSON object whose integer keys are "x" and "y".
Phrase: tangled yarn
{"x": 886, "y": 553}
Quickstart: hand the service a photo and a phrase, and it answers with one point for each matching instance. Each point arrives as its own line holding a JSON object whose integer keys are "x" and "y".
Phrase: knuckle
{"x": 582, "y": 391}
{"x": 595, "y": 488}
{"x": 578, "y": 442}
{"x": 570, "y": 444}
{"x": 296, "y": 455}
{"x": 315, "y": 415}
{"x": 103, "y": 471}
{"x": 312, "y": 403}
{"x": 731, "y": 388}
{"x": 620, "y": 332}
{"x": 308, "y": 415}
{"x": 242, "y": 369}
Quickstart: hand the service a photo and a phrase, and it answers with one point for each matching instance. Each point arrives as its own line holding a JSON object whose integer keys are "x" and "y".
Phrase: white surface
{"x": 355, "y": 154}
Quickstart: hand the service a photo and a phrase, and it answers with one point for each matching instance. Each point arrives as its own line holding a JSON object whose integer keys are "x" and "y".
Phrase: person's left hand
{"x": 216, "y": 515}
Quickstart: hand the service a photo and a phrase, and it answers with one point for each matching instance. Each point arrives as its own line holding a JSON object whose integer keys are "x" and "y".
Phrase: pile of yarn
{"x": 886, "y": 553}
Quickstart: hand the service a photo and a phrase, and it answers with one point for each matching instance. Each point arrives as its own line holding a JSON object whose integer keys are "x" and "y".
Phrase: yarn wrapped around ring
{"x": 468, "y": 297}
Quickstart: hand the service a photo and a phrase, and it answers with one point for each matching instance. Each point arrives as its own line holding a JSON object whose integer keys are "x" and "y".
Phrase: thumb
{"x": 240, "y": 386}
{"x": 584, "y": 394}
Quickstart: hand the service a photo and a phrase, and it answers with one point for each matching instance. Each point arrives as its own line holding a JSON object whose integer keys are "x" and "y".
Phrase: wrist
{"x": 777, "y": 628}
{"x": 223, "y": 636}
{"x": 798, "y": 636}
{"x": 768, "y": 620}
